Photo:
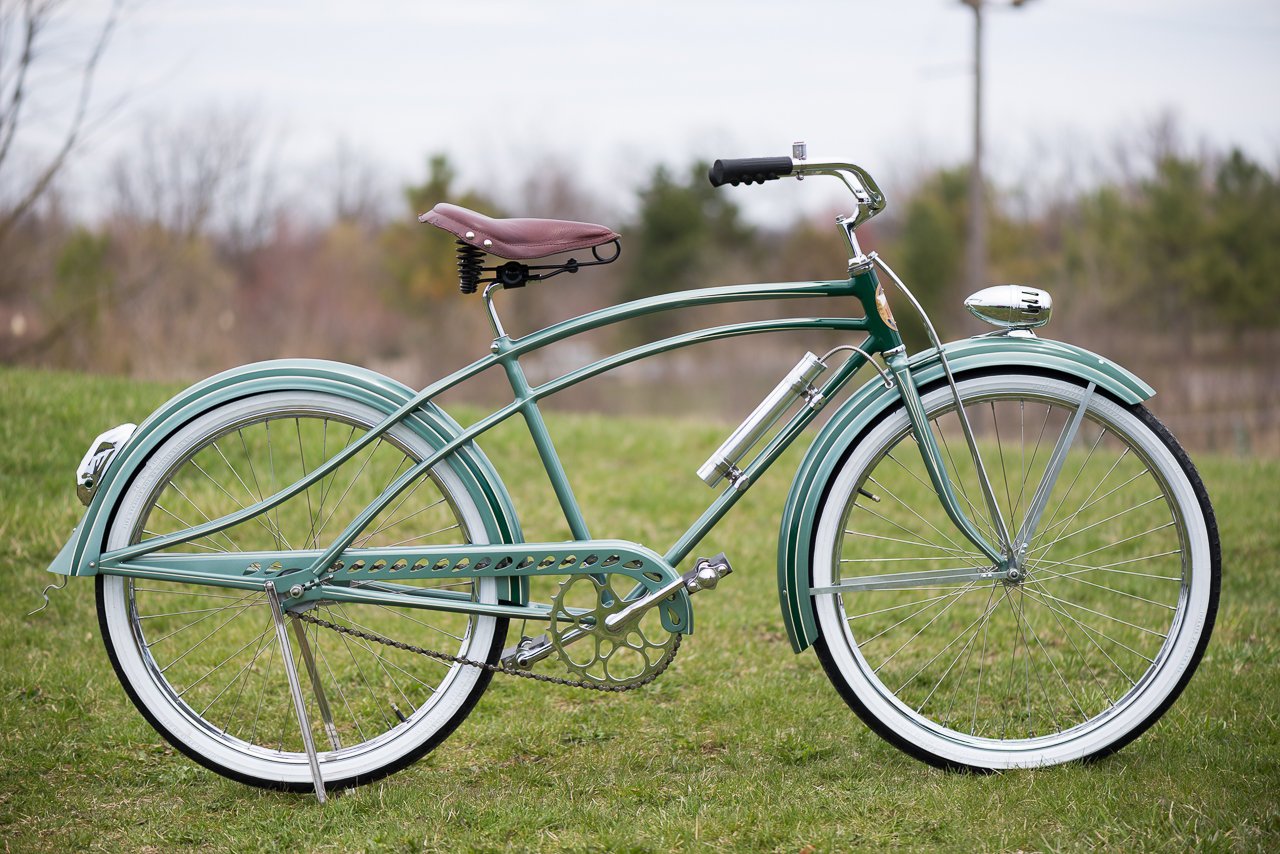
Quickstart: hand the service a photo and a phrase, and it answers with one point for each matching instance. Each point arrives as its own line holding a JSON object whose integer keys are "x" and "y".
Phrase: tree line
{"x": 1191, "y": 245}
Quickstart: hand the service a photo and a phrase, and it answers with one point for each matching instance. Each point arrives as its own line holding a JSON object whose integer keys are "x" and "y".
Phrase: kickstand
{"x": 295, "y": 688}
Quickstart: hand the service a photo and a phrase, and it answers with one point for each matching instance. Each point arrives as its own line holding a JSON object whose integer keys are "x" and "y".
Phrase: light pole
{"x": 977, "y": 249}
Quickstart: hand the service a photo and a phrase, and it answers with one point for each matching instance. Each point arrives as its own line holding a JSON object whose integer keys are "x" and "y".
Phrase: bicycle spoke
{"x": 1090, "y": 527}
{"x": 198, "y": 643}
{"x": 265, "y": 639}
{"x": 956, "y": 549}
{"x": 935, "y": 657}
{"x": 221, "y": 664}
{"x": 1090, "y": 632}
{"x": 238, "y": 611}
{"x": 382, "y": 663}
{"x": 1040, "y": 568}
{"x": 875, "y": 637}
{"x": 262, "y": 692}
{"x": 222, "y": 489}
{"x": 368, "y": 458}
{"x": 1066, "y": 523}
{"x": 399, "y": 613}
{"x": 1049, "y": 658}
{"x": 364, "y": 679}
{"x": 1000, "y": 453}
{"x": 936, "y": 617}
{"x": 1069, "y": 604}
{"x": 342, "y": 695}
{"x": 453, "y": 527}
{"x": 1084, "y": 466}
{"x": 1041, "y": 580}
{"x": 985, "y": 619}
{"x": 978, "y": 515}
{"x": 243, "y": 670}
{"x": 910, "y": 604}
{"x": 1110, "y": 567}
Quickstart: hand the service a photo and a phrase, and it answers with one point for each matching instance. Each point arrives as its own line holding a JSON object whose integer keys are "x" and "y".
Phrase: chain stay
{"x": 493, "y": 668}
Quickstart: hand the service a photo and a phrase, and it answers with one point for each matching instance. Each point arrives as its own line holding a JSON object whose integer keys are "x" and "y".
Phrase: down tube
{"x": 780, "y": 442}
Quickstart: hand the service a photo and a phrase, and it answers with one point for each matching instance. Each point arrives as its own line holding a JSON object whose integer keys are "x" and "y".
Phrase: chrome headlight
{"x": 1011, "y": 306}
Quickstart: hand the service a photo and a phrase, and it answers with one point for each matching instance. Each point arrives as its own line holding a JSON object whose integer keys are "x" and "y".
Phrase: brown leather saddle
{"x": 517, "y": 239}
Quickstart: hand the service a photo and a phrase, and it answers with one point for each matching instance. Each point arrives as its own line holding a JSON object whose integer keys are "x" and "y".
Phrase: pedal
{"x": 528, "y": 652}
{"x": 706, "y": 573}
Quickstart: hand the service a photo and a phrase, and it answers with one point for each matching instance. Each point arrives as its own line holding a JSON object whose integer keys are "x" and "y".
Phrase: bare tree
{"x": 356, "y": 187}
{"x": 211, "y": 174}
{"x": 24, "y": 30}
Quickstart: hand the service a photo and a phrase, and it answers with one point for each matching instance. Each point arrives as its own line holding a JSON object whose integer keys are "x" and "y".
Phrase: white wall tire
{"x": 1098, "y": 640}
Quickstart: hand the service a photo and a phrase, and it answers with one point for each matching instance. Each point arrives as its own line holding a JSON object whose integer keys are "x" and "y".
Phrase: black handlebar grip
{"x": 750, "y": 170}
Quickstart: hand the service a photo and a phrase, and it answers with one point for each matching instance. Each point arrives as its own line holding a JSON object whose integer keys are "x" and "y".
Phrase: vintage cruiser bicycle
{"x": 307, "y": 573}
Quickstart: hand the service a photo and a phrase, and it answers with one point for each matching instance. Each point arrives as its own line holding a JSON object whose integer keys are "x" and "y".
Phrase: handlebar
{"x": 753, "y": 170}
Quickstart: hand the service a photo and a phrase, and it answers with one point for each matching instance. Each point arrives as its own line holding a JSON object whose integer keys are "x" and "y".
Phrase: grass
{"x": 740, "y": 746}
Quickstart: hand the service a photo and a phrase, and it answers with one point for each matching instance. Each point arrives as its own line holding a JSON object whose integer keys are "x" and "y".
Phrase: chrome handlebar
{"x": 864, "y": 188}
{"x": 760, "y": 169}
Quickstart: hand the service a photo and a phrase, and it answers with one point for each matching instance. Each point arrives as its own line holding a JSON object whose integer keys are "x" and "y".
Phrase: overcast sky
{"x": 611, "y": 88}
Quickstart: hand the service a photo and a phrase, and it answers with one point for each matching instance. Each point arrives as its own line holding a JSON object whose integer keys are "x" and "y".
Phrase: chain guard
{"x": 634, "y": 654}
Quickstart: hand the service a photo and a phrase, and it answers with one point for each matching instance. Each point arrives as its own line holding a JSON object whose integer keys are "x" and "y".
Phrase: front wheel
{"x": 203, "y": 664}
{"x": 1077, "y": 657}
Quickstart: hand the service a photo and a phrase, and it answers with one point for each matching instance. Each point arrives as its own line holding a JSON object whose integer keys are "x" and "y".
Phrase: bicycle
{"x": 1026, "y": 579}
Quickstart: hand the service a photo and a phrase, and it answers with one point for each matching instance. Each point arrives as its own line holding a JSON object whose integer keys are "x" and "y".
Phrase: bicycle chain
{"x": 493, "y": 668}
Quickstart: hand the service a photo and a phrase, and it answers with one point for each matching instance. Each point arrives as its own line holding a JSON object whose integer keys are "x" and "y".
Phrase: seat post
{"x": 492, "y": 312}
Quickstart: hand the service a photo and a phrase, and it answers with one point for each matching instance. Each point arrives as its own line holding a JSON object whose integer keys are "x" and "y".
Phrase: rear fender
{"x": 79, "y": 557}
{"x": 808, "y": 488}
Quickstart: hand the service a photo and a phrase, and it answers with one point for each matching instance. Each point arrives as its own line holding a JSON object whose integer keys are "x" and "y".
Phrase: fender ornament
{"x": 98, "y": 458}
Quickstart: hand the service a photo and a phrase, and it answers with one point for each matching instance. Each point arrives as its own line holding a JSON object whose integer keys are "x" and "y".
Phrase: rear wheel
{"x": 203, "y": 664}
{"x": 1075, "y": 659}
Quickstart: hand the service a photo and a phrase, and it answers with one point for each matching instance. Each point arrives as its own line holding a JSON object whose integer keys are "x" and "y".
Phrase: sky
{"x": 609, "y": 89}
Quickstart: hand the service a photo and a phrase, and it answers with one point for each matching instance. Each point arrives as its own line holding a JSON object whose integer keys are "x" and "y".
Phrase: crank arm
{"x": 705, "y": 575}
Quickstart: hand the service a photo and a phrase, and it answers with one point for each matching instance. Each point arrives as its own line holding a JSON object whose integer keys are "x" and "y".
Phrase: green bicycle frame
{"x": 141, "y": 559}
{"x": 334, "y": 570}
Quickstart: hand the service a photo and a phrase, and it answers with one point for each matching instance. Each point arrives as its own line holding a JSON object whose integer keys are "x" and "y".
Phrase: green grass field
{"x": 740, "y": 746}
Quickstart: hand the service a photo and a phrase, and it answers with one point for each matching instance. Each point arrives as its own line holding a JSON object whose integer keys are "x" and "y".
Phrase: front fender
{"x": 79, "y": 557}
{"x": 804, "y": 501}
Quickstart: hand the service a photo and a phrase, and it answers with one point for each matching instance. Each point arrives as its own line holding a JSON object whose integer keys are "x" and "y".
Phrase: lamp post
{"x": 977, "y": 249}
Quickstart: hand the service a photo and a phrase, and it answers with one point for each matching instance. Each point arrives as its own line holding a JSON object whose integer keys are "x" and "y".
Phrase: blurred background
{"x": 186, "y": 186}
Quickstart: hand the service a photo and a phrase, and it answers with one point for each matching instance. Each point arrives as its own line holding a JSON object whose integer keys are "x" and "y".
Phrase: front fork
{"x": 1000, "y": 555}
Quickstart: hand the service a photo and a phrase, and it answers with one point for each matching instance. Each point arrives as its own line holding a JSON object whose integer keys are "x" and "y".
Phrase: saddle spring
{"x": 469, "y": 268}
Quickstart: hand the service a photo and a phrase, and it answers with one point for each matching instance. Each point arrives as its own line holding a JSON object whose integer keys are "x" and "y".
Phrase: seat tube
{"x": 542, "y": 439}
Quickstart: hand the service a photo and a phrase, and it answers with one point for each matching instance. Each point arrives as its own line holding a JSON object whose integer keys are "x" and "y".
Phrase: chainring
{"x": 635, "y": 653}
